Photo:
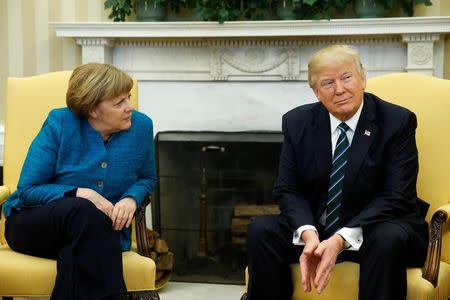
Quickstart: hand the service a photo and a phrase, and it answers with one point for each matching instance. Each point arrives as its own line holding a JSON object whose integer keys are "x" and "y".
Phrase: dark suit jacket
{"x": 380, "y": 179}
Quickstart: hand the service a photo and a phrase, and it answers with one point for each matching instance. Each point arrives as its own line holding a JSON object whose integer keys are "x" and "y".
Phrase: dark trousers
{"x": 80, "y": 237}
{"x": 387, "y": 250}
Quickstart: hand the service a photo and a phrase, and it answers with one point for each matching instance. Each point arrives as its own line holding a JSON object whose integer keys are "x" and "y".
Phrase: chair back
{"x": 28, "y": 102}
{"x": 429, "y": 98}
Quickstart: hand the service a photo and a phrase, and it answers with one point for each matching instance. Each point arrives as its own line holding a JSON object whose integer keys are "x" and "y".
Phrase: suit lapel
{"x": 321, "y": 139}
{"x": 365, "y": 132}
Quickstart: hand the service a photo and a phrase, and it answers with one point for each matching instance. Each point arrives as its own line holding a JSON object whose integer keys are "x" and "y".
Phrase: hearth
{"x": 211, "y": 184}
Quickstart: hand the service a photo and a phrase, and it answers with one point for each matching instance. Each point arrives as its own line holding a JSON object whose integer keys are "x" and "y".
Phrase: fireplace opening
{"x": 210, "y": 186}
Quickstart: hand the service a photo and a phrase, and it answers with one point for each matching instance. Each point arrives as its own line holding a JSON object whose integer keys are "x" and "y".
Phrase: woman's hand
{"x": 123, "y": 213}
{"x": 99, "y": 201}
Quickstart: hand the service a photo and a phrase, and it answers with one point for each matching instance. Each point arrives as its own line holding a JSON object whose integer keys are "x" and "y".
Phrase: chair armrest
{"x": 4, "y": 193}
{"x": 430, "y": 270}
{"x": 141, "y": 229}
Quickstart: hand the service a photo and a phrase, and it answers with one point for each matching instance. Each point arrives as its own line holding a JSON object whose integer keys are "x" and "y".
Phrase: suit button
{"x": 99, "y": 183}
{"x": 104, "y": 165}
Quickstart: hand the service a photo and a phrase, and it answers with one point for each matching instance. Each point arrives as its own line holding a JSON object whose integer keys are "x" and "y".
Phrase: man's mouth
{"x": 341, "y": 101}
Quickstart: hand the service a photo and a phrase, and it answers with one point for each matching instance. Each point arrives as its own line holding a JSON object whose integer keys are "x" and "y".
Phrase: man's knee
{"x": 260, "y": 230}
{"x": 386, "y": 239}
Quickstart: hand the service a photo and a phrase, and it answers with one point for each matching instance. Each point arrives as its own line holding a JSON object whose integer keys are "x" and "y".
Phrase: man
{"x": 347, "y": 181}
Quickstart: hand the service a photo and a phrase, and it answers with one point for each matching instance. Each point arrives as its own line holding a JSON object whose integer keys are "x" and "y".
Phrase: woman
{"x": 88, "y": 169}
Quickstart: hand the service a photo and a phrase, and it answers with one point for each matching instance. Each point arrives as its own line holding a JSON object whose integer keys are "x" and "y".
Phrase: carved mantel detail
{"x": 421, "y": 52}
{"x": 259, "y": 61}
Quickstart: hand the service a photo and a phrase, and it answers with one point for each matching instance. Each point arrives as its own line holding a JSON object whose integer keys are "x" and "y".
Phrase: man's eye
{"x": 327, "y": 84}
{"x": 347, "y": 78}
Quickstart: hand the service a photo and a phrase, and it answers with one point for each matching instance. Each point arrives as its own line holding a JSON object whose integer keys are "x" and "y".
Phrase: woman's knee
{"x": 84, "y": 211}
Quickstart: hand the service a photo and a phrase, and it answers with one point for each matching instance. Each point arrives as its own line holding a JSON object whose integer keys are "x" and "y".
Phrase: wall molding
{"x": 314, "y": 28}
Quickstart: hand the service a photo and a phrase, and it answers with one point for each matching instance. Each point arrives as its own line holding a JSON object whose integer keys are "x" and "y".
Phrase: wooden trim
{"x": 430, "y": 270}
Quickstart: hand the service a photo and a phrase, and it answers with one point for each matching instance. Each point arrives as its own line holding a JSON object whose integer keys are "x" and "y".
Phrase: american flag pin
{"x": 367, "y": 132}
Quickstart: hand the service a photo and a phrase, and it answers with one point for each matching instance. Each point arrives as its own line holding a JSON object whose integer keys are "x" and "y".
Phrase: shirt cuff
{"x": 296, "y": 240}
{"x": 353, "y": 237}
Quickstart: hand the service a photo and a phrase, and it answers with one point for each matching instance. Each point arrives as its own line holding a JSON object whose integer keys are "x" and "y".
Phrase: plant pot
{"x": 185, "y": 14}
{"x": 368, "y": 8}
{"x": 150, "y": 10}
{"x": 285, "y": 10}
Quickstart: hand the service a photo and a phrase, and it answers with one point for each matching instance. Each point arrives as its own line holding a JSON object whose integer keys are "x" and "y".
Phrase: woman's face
{"x": 112, "y": 114}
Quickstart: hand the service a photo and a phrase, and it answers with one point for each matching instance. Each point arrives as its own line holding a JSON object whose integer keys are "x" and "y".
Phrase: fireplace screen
{"x": 211, "y": 184}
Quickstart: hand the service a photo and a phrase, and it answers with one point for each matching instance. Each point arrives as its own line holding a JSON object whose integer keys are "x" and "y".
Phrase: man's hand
{"x": 100, "y": 202}
{"x": 309, "y": 261}
{"x": 123, "y": 213}
{"x": 326, "y": 253}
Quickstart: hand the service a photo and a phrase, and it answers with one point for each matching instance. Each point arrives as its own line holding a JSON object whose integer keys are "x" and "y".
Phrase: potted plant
{"x": 185, "y": 10}
{"x": 309, "y": 9}
{"x": 220, "y": 10}
{"x": 120, "y": 9}
{"x": 150, "y": 10}
{"x": 377, "y": 8}
{"x": 256, "y": 9}
{"x": 146, "y": 10}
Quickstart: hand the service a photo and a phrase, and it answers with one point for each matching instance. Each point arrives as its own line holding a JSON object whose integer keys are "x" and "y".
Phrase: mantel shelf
{"x": 333, "y": 27}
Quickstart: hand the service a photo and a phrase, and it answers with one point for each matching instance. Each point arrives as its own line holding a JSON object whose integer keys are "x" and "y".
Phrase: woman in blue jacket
{"x": 88, "y": 169}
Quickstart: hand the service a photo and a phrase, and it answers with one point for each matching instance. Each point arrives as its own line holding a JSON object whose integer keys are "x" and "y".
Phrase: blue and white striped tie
{"x": 338, "y": 167}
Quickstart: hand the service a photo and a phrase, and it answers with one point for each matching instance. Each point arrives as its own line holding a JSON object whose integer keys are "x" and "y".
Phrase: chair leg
{"x": 144, "y": 295}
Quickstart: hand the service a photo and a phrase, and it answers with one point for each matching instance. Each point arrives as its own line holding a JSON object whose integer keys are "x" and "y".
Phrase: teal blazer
{"x": 68, "y": 153}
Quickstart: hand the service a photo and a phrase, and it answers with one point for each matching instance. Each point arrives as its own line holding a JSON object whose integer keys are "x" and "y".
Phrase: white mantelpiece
{"x": 277, "y": 49}
{"x": 244, "y": 75}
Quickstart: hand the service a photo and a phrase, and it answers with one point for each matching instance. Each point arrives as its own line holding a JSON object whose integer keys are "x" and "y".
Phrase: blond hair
{"x": 333, "y": 56}
{"x": 92, "y": 83}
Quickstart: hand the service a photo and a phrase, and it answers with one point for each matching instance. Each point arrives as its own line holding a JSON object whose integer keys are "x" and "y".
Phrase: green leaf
{"x": 310, "y": 2}
{"x": 223, "y": 13}
{"x": 108, "y": 4}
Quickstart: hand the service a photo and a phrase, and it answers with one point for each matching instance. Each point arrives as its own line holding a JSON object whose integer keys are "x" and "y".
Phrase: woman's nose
{"x": 129, "y": 105}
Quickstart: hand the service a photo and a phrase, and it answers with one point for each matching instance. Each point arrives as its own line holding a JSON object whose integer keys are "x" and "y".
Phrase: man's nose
{"x": 339, "y": 87}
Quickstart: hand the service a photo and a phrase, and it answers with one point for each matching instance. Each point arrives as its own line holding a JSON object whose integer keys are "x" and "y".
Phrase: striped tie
{"x": 338, "y": 166}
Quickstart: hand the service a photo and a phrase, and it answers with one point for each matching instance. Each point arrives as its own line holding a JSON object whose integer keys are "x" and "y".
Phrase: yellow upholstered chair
{"x": 429, "y": 98}
{"x": 28, "y": 101}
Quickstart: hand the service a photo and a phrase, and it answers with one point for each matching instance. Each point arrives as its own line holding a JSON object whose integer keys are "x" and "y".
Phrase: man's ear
{"x": 316, "y": 92}
{"x": 364, "y": 80}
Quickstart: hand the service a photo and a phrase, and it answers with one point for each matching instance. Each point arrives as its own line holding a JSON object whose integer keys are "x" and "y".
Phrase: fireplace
{"x": 206, "y": 181}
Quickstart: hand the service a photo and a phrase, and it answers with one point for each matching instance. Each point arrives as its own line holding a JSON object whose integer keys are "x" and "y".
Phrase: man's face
{"x": 340, "y": 89}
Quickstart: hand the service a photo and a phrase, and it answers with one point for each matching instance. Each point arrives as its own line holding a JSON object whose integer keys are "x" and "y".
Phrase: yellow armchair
{"x": 429, "y": 98}
{"x": 28, "y": 102}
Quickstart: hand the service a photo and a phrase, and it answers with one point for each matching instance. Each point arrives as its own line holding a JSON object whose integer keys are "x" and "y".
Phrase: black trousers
{"x": 388, "y": 249}
{"x": 80, "y": 237}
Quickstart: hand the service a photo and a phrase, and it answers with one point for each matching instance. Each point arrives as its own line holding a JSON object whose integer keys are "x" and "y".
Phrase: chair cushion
{"x": 345, "y": 287}
{"x": 25, "y": 275}
{"x": 342, "y": 286}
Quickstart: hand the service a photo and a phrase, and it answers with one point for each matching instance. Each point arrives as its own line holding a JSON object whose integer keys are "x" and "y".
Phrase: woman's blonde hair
{"x": 93, "y": 82}
{"x": 333, "y": 56}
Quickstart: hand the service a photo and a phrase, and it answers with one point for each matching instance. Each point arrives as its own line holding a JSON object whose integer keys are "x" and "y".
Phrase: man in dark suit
{"x": 346, "y": 189}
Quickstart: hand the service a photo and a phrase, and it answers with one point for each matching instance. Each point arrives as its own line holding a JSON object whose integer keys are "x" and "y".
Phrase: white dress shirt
{"x": 352, "y": 236}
